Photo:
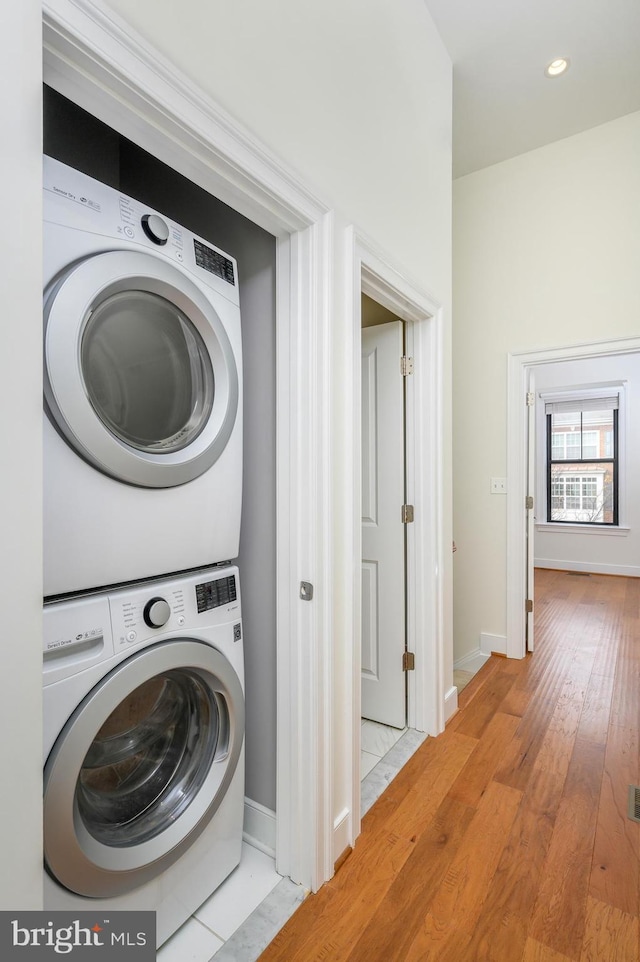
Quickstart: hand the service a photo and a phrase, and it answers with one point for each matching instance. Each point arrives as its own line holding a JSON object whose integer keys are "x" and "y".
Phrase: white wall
{"x": 546, "y": 254}
{"x": 21, "y": 473}
{"x": 353, "y": 94}
{"x": 584, "y": 548}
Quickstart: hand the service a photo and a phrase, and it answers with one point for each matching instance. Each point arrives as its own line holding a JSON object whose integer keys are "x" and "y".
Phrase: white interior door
{"x": 530, "y": 508}
{"x": 383, "y": 531}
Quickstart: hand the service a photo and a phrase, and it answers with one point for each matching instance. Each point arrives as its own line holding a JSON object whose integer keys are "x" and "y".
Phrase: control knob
{"x": 155, "y": 228}
{"x": 156, "y": 612}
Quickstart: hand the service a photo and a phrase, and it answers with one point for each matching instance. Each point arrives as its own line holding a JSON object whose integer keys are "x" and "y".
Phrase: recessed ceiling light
{"x": 557, "y": 67}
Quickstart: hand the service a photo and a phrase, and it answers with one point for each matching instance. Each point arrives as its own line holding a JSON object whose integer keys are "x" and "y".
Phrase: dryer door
{"x": 140, "y": 375}
{"x": 141, "y": 767}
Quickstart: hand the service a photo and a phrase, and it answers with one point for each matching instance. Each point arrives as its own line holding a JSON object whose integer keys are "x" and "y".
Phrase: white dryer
{"x": 144, "y": 746}
{"x": 143, "y": 391}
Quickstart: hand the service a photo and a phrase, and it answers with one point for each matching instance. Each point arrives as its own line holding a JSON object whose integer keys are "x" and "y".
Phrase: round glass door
{"x": 150, "y": 758}
{"x": 147, "y": 371}
{"x": 140, "y": 375}
{"x": 141, "y": 767}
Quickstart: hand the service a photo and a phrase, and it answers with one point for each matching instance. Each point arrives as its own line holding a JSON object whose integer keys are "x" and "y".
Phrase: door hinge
{"x": 406, "y": 365}
{"x": 407, "y": 513}
{"x": 528, "y": 606}
{"x": 531, "y": 399}
{"x": 408, "y": 661}
{"x": 528, "y": 502}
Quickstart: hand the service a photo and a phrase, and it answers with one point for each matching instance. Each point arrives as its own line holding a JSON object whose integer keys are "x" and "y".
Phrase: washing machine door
{"x": 141, "y": 767}
{"x": 139, "y": 376}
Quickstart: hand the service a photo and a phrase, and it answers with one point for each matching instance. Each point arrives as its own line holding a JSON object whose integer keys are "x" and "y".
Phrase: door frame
{"x": 106, "y": 69}
{"x": 369, "y": 272}
{"x": 519, "y": 365}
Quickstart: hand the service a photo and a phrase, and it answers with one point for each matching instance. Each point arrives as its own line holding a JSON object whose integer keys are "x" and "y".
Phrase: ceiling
{"x": 504, "y": 105}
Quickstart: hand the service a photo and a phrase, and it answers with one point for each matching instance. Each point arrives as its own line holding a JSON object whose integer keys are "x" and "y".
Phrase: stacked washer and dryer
{"x": 143, "y": 656}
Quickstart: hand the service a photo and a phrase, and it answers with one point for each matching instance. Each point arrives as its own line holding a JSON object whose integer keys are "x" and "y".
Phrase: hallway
{"x": 506, "y": 839}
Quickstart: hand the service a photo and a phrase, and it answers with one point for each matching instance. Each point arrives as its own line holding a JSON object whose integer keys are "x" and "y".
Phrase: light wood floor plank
{"x": 481, "y": 710}
{"x": 537, "y": 952}
{"x": 615, "y": 874}
{"x": 559, "y": 739}
{"x": 610, "y": 935}
{"x": 458, "y": 902}
{"x": 400, "y": 916}
{"x": 559, "y": 916}
{"x": 483, "y": 761}
{"x": 506, "y": 839}
{"x": 500, "y": 933}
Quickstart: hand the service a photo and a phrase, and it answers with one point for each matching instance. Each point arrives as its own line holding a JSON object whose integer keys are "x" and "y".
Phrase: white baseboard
{"x": 473, "y": 661}
{"x": 450, "y": 703}
{"x": 341, "y": 833}
{"x": 259, "y": 827}
{"x": 629, "y": 571}
{"x": 490, "y": 643}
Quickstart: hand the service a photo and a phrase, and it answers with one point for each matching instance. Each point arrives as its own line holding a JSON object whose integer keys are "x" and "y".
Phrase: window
{"x": 582, "y": 461}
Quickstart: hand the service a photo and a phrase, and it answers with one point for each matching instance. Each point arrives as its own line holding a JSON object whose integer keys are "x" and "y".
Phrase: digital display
{"x": 214, "y": 262}
{"x": 214, "y": 594}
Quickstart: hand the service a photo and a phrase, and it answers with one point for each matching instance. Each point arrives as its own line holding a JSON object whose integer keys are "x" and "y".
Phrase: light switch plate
{"x": 498, "y": 485}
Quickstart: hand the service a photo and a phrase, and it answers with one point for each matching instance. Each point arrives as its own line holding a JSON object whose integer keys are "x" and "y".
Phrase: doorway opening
{"x": 580, "y": 367}
{"x": 384, "y": 540}
{"x": 380, "y": 290}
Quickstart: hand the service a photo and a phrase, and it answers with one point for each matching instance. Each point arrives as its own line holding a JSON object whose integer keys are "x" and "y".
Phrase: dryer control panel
{"x": 76, "y": 201}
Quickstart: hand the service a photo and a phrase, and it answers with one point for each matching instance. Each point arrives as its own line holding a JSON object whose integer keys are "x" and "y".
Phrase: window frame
{"x": 584, "y": 462}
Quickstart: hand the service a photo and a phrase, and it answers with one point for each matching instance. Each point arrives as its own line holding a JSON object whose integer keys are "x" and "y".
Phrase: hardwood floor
{"x": 506, "y": 838}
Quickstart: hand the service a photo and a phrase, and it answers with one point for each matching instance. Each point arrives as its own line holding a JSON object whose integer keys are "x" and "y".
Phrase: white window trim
{"x": 567, "y": 527}
{"x": 577, "y": 393}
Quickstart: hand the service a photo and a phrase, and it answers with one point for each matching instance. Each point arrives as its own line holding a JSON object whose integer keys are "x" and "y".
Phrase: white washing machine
{"x": 143, "y": 391}
{"x": 144, "y": 746}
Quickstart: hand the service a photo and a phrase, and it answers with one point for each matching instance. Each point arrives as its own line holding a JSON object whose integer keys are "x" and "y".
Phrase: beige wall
{"x": 546, "y": 254}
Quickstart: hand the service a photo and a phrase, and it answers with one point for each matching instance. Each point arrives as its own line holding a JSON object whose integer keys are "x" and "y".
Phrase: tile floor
{"x": 375, "y": 741}
{"x": 249, "y": 909}
{"x": 212, "y": 927}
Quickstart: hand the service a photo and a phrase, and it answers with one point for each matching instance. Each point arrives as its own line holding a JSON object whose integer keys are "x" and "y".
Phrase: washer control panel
{"x": 151, "y": 611}
{"x": 146, "y": 612}
{"x": 214, "y": 594}
{"x": 83, "y": 632}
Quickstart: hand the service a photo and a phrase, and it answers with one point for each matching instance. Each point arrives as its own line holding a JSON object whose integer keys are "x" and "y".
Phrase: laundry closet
{"x": 75, "y": 138}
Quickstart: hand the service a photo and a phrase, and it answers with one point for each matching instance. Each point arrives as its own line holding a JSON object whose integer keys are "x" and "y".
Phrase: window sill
{"x": 618, "y": 531}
